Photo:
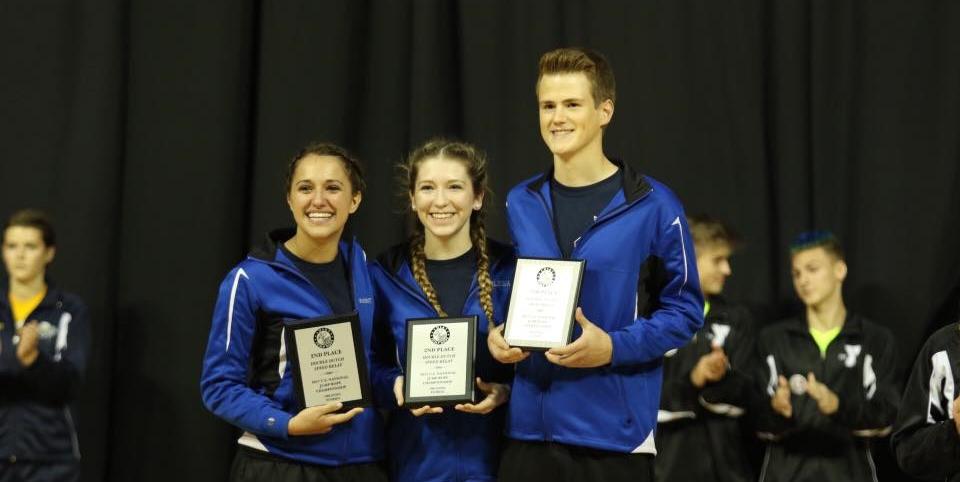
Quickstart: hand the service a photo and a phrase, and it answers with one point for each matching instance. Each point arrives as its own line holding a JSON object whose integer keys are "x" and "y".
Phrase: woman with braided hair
{"x": 446, "y": 267}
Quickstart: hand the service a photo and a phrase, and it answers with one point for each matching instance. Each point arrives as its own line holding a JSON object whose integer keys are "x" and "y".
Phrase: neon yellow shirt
{"x": 823, "y": 338}
{"x": 22, "y": 308}
{"x": 706, "y": 307}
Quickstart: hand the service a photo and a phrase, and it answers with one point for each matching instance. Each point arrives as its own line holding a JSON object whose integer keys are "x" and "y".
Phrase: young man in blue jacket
{"x": 587, "y": 411}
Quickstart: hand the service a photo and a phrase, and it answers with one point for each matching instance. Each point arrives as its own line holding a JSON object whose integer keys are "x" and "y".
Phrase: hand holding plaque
{"x": 328, "y": 361}
{"x": 439, "y": 363}
{"x": 545, "y": 294}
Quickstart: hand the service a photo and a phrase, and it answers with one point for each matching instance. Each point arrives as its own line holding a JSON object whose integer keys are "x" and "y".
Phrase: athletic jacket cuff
{"x": 274, "y": 423}
{"x": 626, "y": 350}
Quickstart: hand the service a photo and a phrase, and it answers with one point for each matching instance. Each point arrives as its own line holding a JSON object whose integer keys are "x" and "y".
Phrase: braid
{"x": 418, "y": 265}
{"x": 476, "y": 163}
{"x": 479, "y": 237}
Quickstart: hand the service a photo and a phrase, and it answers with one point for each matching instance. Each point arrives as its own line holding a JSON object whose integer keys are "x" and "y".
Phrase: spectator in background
{"x": 44, "y": 343}
{"x": 830, "y": 379}
{"x": 926, "y": 437}
{"x": 700, "y": 429}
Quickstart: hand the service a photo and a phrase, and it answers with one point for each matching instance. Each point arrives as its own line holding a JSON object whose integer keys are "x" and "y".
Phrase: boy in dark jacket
{"x": 829, "y": 379}
{"x": 703, "y": 404}
{"x": 926, "y": 437}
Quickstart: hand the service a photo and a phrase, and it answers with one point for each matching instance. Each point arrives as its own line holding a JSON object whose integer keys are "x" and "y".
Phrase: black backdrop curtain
{"x": 156, "y": 133}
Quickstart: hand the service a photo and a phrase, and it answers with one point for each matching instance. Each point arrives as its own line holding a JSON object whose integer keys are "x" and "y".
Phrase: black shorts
{"x": 251, "y": 465}
{"x": 531, "y": 461}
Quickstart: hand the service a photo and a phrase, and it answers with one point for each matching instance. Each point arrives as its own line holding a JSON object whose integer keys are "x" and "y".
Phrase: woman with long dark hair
{"x": 299, "y": 273}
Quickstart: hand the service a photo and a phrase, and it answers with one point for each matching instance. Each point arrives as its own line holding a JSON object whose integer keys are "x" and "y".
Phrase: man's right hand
{"x": 781, "y": 398}
{"x": 320, "y": 419}
{"x": 500, "y": 350}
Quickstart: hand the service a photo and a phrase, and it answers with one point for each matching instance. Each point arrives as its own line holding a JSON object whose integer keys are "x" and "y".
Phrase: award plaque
{"x": 328, "y": 361}
{"x": 439, "y": 364}
{"x": 543, "y": 302}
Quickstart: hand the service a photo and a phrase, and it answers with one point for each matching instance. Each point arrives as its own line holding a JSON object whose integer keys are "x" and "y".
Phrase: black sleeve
{"x": 56, "y": 378}
{"x": 733, "y": 393}
{"x": 678, "y": 394}
{"x": 768, "y": 423}
{"x": 925, "y": 438}
{"x": 870, "y": 407}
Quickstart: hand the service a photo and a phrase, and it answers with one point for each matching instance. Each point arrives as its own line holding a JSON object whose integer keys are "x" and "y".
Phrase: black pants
{"x": 251, "y": 465}
{"x": 39, "y": 472}
{"x": 532, "y": 461}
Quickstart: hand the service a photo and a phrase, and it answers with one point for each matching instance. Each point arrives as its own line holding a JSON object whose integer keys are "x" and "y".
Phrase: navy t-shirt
{"x": 451, "y": 278}
{"x": 329, "y": 278}
{"x": 576, "y": 208}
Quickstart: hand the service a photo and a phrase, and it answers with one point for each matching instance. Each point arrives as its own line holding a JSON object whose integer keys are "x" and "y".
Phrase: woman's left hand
{"x": 496, "y": 394}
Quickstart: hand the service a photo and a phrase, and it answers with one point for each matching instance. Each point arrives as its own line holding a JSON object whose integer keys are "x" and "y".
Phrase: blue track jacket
{"x": 640, "y": 285}
{"x": 452, "y": 446}
{"x": 246, "y": 379}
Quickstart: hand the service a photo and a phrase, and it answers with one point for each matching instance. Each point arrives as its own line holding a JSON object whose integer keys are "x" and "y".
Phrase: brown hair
{"x": 707, "y": 230}
{"x": 476, "y": 163}
{"x": 350, "y": 164}
{"x": 591, "y": 63}
{"x": 33, "y": 218}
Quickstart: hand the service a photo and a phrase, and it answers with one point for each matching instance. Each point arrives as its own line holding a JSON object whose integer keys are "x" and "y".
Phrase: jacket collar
{"x": 267, "y": 249}
{"x": 852, "y": 325}
{"x": 53, "y": 296}
{"x": 635, "y": 184}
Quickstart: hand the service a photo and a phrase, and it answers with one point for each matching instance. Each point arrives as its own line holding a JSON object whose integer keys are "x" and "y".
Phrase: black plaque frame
{"x": 469, "y": 394}
{"x": 293, "y": 358}
{"x": 571, "y": 321}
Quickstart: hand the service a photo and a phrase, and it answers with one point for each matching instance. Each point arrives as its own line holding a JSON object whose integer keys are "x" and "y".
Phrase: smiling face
{"x": 817, "y": 275}
{"x": 321, "y": 198}
{"x": 571, "y": 121}
{"x": 444, "y": 198}
{"x": 25, "y": 255}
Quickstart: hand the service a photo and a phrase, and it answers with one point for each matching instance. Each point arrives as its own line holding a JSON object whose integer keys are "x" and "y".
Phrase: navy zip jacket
{"x": 246, "y": 379}
{"x": 640, "y": 286}
{"x": 451, "y": 446}
{"x": 36, "y": 421}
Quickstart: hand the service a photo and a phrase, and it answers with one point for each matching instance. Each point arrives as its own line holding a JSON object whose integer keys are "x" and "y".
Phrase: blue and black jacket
{"x": 36, "y": 420}
{"x": 640, "y": 286}
{"x": 246, "y": 379}
{"x": 451, "y": 446}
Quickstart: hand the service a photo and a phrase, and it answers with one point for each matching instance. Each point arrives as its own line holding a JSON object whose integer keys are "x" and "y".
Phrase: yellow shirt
{"x": 823, "y": 338}
{"x": 22, "y": 308}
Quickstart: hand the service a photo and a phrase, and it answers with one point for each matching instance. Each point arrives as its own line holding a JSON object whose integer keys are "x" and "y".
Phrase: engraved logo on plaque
{"x": 546, "y": 276}
{"x": 439, "y": 334}
{"x": 323, "y": 337}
